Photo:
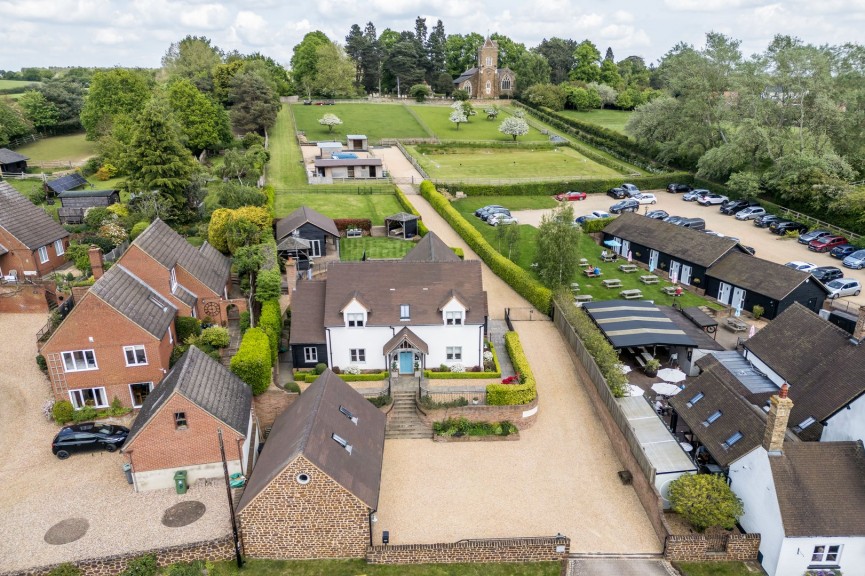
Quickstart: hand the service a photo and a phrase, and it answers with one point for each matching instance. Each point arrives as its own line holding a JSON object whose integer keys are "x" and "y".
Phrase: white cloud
{"x": 250, "y": 28}
{"x": 623, "y": 16}
{"x": 111, "y": 38}
{"x": 206, "y": 17}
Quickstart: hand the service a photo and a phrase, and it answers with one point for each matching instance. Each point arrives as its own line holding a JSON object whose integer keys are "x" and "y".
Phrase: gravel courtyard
{"x": 39, "y": 490}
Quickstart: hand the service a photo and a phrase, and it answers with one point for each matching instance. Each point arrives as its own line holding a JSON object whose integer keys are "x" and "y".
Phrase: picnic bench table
{"x": 609, "y": 257}
{"x": 584, "y": 262}
{"x": 612, "y": 283}
{"x": 583, "y": 298}
{"x": 631, "y": 294}
{"x": 590, "y": 272}
{"x": 672, "y": 290}
{"x": 736, "y": 325}
{"x": 649, "y": 279}
{"x": 575, "y": 287}
{"x": 628, "y": 268}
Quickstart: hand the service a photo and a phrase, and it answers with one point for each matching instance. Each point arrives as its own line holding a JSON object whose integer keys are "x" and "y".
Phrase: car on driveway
{"x": 675, "y": 219}
{"x": 827, "y": 273}
{"x": 657, "y": 214}
{"x": 695, "y": 194}
{"x": 711, "y": 199}
{"x": 497, "y": 219}
{"x": 855, "y": 260}
{"x": 734, "y": 206}
{"x": 618, "y": 193}
{"x": 645, "y": 198}
{"x": 798, "y": 265}
{"x": 843, "y": 287}
{"x": 489, "y": 213}
{"x": 826, "y": 243}
{"x": 750, "y": 213}
{"x": 807, "y": 237}
{"x": 674, "y": 188}
{"x": 631, "y": 189}
{"x": 593, "y": 215}
{"x": 480, "y": 211}
{"x": 784, "y": 226}
{"x": 570, "y": 196}
{"x": 765, "y": 220}
{"x": 622, "y": 206}
{"x": 88, "y": 436}
{"x": 842, "y": 252}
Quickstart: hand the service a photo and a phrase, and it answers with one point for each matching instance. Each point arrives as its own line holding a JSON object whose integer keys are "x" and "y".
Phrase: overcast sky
{"x": 138, "y": 32}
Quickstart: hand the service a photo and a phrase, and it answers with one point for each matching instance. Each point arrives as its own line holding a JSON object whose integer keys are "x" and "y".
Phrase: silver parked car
{"x": 855, "y": 260}
{"x": 750, "y": 213}
{"x": 843, "y": 287}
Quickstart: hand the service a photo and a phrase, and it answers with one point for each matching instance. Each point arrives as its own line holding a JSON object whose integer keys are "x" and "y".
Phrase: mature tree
{"x": 436, "y": 47}
{"x": 402, "y": 64}
{"x": 462, "y": 52}
{"x": 330, "y": 120}
{"x": 420, "y": 92}
{"x": 560, "y": 56}
{"x": 254, "y": 103}
{"x": 156, "y": 159}
{"x": 509, "y": 51}
{"x": 443, "y": 84}
{"x": 334, "y": 73}
{"x": 531, "y": 68}
{"x": 245, "y": 165}
{"x": 458, "y": 117}
{"x": 271, "y": 70}
{"x": 304, "y": 62}
{"x": 67, "y": 95}
{"x": 204, "y": 123}
{"x": 546, "y": 95}
{"x": 705, "y": 500}
{"x": 634, "y": 72}
{"x": 38, "y": 110}
{"x": 371, "y": 60}
{"x": 13, "y": 123}
{"x": 607, "y": 94}
{"x": 609, "y": 74}
{"x": 223, "y": 74}
{"x": 557, "y": 241}
{"x": 193, "y": 59}
{"x": 115, "y": 92}
{"x": 608, "y": 57}
{"x": 582, "y": 98}
{"x": 355, "y": 44}
{"x": 587, "y": 63}
{"x": 514, "y": 127}
{"x": 629, "y": 99}
{"x": 508, "y": 239}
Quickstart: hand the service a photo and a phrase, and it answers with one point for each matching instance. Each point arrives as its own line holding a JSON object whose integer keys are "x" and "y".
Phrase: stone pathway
{"x": 498, "y": 329}
{"x": 619, "y": 566}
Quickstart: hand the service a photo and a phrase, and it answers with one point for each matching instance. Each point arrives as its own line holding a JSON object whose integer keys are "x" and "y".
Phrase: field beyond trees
{"x": 609, "y": 119}
{"x": 68, "y": 148}
{"x": 375, "y": 121}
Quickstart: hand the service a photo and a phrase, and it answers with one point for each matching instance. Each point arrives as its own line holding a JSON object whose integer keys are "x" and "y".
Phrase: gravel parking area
{"x": 768, "y": 246}
{"x": 40, "y": 491}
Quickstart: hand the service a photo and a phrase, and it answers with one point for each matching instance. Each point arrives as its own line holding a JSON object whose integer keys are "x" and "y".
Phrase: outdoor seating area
{"x": 735, "y": 324}
{"x": 649, "y": 279}
{"x": 583, "y": 298}
{"x": 592, "y": 272}
{"x": 628, "y": 268}
{"x": 609, "y": 256}
{"x": 612, "y": 283}
{"x": 672, "y": 290}
{"x": 632, "y": 294}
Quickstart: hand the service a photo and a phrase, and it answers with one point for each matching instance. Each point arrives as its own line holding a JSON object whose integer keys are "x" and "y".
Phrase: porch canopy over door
{"x": 402, "y": 341}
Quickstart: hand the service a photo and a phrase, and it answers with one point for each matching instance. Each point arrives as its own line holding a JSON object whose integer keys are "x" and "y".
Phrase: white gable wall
{"x": 795, "y": 555}
{"x": 764, "y": 368}
{"x": 847, "y": 423}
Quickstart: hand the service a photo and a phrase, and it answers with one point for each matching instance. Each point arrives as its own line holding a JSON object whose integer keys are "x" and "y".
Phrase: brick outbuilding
{"x": 32, "y": 243}
{"x": 316, "y": 485}
{"x": 176, "y": 428}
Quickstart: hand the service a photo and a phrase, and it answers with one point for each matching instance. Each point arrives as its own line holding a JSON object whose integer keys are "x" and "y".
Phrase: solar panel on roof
{"x": 68, "y": 182}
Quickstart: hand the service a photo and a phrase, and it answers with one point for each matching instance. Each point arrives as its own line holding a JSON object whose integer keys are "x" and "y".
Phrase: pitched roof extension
{"x": 301, "y": 216}
{"x": 761, "y": 276}
{"x": 307, "y": 313}
{"x": 31, "y": 225}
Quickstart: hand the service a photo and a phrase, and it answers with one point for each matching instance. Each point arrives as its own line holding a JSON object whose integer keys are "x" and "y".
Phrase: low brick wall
{"x": 211, "y": 550}
{"x": 701, "y": 548}
{"x": 522, "y": 416}
{"x": 473, "y": 551}
{"x": 490, "y": 438}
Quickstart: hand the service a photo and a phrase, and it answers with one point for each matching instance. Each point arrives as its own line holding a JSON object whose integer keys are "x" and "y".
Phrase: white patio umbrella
{"x": 634, "y": 390}
{"x": 752, "y": 331}
{"x": 671, "y": 375}
{"x": 629, "y": 256}
{"x": 666, "y": 388}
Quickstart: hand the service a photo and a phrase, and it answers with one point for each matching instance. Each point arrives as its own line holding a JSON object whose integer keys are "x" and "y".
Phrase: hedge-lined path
{"x": 498, "y": 329}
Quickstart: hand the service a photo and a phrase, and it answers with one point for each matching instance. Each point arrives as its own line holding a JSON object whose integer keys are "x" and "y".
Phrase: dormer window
{"x": 453, "y": 318}
{"x": 342, "y": 442}
{"x": 355, "y": 320}
{"x": 404, "y": 312}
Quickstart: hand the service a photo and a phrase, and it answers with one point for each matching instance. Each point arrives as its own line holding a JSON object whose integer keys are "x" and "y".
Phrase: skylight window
{"x": 697, "y": 397}
{"x": 712, "y": 417}
{"x": 345, "y": 412}
{"x": 804, "y": 424}
{"x": 732, "y": 440}
{"x": 342, "y": 442}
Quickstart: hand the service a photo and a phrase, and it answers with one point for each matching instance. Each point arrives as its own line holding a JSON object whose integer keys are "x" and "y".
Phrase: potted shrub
{"x": 652, "y": 367}
{"x": 417, "y": 368}
{"x": 394, "y": 369}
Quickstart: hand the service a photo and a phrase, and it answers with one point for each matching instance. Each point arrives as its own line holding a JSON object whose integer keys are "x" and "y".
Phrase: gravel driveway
{"x": 39, "y": 490}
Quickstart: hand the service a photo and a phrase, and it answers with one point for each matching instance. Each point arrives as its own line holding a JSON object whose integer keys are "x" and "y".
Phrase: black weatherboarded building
{"x": 314, "y": 227}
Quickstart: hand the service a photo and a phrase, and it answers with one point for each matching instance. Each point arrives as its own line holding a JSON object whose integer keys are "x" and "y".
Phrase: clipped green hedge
{"x": 591, "y": 186}
{"x": 309, "y": 377}
{"x": 459, "y": 252}
{"x": 252, "y": 362}
{"x": 422, "y": 230}
{"x": 517, "y": 278}
{"x": 460, "y": 375}
{"x": 271, "y": 322}
{"x": 510, "y": 394}
{"x": 595, "y": 225}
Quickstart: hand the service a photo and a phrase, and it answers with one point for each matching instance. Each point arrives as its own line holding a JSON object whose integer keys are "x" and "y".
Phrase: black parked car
{"x": 765, "y": 220}
{"x": 842, "y": 252}
{"x": 734, "y": 206}
{"x": 480, "y": 211}
{"x": 618, "y": 193}
{"x": 827, "y": 273}
{"x": 657, "y": 214}
{"x": 622, "y": 206}
{"x": 674, "y": 188}
{"x": 674, "y": 219}
{"x": 784, "y": 226}
{"x": 88, "y": 436}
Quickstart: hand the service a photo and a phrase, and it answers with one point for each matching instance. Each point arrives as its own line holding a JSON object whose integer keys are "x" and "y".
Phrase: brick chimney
{"x": 97, "y": 265}
{"x": 776, "y": 422}
{"x": 859, "y": 331}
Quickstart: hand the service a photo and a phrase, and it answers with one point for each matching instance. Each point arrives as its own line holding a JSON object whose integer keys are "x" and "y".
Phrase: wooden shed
{"x": 401, "y": 225}
{"x": 12, "y": 162}
{"x": 74, "y": 203}
{"x": 357, "y": 142}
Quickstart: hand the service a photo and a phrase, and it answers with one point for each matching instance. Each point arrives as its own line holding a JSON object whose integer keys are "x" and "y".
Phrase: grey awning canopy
{"x": 402, "y": 217}
{"x": 627, "y": 323}
{"x": 293, "y": 243}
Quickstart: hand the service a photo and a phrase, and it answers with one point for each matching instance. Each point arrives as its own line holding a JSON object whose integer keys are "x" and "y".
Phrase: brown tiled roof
{"x": 169, "y": 248}
{"x": 821, "y": 488}
{"x": 384, "y": 285}
{"x": 406, "y": 335}
{"x": 301, "y": 216}
{"x": 825, "y": 371}
{"x": 680, "y": 242}
{"x": 756, "y": 275}
{"x": 130, "y": 296}
{"x": 26, "y": 221}
{"x": 307, "y": 313}
{"x": 306, "y": 428}
{"x": 207, "y": 384}
{"x": 737, "y": 414}
{"x": 431, "y": 248}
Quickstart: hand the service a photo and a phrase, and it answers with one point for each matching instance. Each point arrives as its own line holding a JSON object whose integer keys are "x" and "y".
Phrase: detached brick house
{"x": 32, "y": 244}
{"x": 177, "y": 425}
{"x": 115, "y": 343}
{"x": 316, "y": 484}
{"x": 194, "y": 280}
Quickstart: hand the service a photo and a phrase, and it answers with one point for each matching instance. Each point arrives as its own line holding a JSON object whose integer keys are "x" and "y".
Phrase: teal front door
{"x": 406, "y": 362}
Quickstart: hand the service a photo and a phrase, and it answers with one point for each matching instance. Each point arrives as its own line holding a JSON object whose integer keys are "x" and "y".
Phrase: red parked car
{"x": 570, "y": 196}
{"x": 826, "y": 243}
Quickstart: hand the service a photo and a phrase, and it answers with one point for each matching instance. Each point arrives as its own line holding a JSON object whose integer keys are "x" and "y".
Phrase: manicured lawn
{"x": 375, "y": 121}
{"x": 612, "y": 119}
{"x": 437, "y": 119}
{"x": 351, "y": 249}
{"x": 68, "y": 148}
{"x": 7, "y": 84}
{"x": 359, "y": 567}
{"x": 372, "y": 206}
{"x": 714, "y": 569}
{"x": 455, "y": 163}
{"x": 285, "y": 169}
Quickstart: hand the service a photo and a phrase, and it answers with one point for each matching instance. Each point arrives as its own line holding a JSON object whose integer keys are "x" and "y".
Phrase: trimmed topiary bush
{"x": 187, "y": 326}
{"x": 252, "y": 362}
{"x": 509, "y": 394}
{"x": 215, "y": 336}
{"x": 62, "y": 411}
{"x": 320, "y": 368}
{"x": 705, "y": 500}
